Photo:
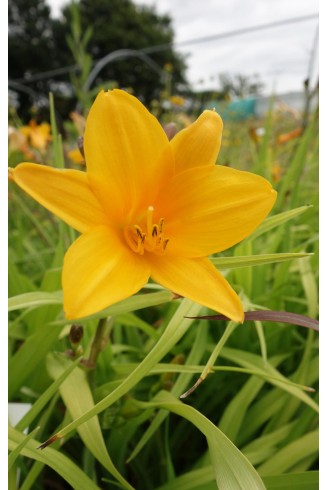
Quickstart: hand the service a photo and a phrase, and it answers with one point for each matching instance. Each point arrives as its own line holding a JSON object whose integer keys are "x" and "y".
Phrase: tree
{"x": 240, "y": 85}
{"x": 30, "y": 47}
{"x": 30, "y": 41}
{"x": 120, "y": 24}
{"x": 38, "y": 43}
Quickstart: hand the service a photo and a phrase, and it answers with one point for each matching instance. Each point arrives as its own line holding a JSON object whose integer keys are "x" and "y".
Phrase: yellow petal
{"x": 99, "y": 270}
{"x": 197, "y": 279}
{"x": 123, "y": 146}
{"x": 66, "y": 193}
{"x": 199, "y": 144}
{"x": 209, "y": 209}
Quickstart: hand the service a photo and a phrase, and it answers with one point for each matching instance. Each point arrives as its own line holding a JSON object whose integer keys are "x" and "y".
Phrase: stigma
{"x": 150, "y": 237}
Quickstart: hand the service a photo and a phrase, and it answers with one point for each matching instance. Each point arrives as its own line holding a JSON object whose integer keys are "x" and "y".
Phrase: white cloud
{"x": 279, "y": 55}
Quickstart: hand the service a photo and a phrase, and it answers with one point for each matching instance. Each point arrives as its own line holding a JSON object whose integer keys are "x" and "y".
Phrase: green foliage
{"x": 78, "y": 42}
{"x": 252, "y": 420}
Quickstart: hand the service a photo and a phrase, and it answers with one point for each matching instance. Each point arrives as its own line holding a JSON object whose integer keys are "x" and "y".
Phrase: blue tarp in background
{"x": 236, "y": 110}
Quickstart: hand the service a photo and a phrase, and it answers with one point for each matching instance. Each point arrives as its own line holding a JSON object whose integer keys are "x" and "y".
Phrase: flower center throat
{"x": 150, "y": 238}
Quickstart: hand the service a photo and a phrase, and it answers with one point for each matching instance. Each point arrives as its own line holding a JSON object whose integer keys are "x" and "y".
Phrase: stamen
{"x": 138, "y": 231}
{"x": 155, "y": 231}
{"x": 166, "y": 241}
{"x": 153, "y": 240}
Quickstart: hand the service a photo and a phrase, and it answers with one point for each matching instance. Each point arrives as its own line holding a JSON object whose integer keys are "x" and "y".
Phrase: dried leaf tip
{"x": 192, "y": 389}
{"x": 49, "y": 441}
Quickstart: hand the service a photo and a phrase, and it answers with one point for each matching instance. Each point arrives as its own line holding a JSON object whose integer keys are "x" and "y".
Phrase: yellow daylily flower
{"x": 38, "y": 134}
{"x": 148, "y": 207}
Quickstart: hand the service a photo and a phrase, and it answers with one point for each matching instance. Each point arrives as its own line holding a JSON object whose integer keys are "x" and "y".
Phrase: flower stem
{"x": 100, "y": 340}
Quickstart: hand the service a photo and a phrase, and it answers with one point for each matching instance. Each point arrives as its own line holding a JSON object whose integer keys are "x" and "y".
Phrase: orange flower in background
{"x": 284, "y": 138}
{"x": 76, "y": 156}
{"x": 17, "y": 141}
{"x": 177, "y": 100}
{"x": 276, "y": 172}
{"x": 148, "y": 207}
{"x": 38, "y": 135}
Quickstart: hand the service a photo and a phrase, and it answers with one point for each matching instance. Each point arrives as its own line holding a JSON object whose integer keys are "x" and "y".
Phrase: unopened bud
{"x": 75, "y": 334}
{"x": 170, "y": 130}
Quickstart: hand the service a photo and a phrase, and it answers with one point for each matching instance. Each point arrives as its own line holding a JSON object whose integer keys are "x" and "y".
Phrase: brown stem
{"x": 99, "y": 342}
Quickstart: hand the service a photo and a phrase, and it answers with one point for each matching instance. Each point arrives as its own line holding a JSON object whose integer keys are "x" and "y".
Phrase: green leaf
{"x": 56, "y": 138}
{"x": 34, "y": 300}
{"x": 265, "y": 409}
{"x": 232, "y": 470}
{"x": 291, "y": 454}
{"x": 174, "y": 331}
{"x": 17, "y": 282}
{"x": 18, "y": 449}
{"x": 265, "y": 446}
{"x": 263, "y": 158}
{"x": 277, "y": 220}
{"x": 234, "y": 413}
{"x": 200, "y": 479}
{"x": 46, "y": 396}
{"x": 292, "y": 178}
{"x": 223, "y": 263}
{"x": 196, "y": 353}
{"x": 269, "y": 373}
{"x": 294, "y": 481}
{"x": 54, "y": 459}
{"x": 310, "y": 286}
{"x": 77, "y": 396}
{"x": 29, "y": 356}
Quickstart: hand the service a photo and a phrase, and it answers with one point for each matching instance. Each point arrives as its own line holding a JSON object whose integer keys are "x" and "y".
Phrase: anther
{"x": 150, "y": 239}
{"x": 138, "y": 231}
{"x": 155, "y": 231}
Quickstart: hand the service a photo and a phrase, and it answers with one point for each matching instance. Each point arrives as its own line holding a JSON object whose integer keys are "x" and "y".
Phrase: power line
{"x": 163, "y": 47}
{"x": 47, "y": 74}
{"x": 233, "y": 33}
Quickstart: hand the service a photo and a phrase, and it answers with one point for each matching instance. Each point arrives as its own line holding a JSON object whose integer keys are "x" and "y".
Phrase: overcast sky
{"x": 280, "y": 56}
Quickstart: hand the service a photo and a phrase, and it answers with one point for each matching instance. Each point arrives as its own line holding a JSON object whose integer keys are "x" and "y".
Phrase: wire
{"x": 236, "y": 32}
{"x": 163, "y": 47}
